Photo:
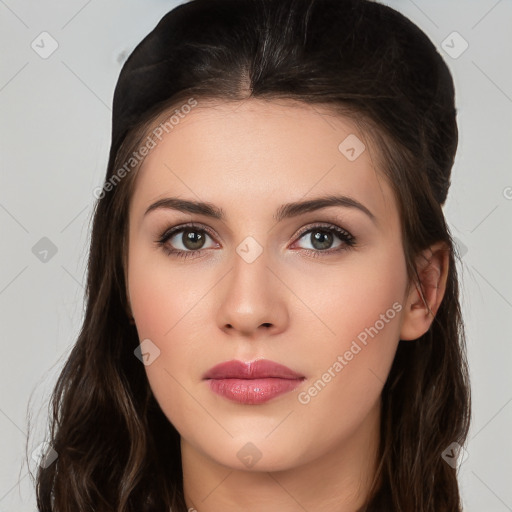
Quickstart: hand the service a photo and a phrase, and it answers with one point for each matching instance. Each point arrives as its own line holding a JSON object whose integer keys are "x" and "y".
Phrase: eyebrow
{"x": 285, "y": 211}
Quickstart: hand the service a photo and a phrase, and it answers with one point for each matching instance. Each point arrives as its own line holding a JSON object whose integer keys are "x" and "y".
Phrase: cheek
{"x": 346, "y": 299}
{"x": 165, "y": 303}
{"x": 162, "y": 296}
{"x": 168, "y": 306}
{"x": 360, "y": 309}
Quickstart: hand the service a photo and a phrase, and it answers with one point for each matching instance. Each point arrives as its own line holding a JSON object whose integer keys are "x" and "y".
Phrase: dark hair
{"x": 361, "y": 59}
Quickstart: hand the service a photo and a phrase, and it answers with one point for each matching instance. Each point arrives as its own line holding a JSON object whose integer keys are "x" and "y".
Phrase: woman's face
{"x": 270, "y": 280}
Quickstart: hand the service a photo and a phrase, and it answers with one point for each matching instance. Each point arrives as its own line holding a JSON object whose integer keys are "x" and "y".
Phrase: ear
{"x": 424, "y": 298}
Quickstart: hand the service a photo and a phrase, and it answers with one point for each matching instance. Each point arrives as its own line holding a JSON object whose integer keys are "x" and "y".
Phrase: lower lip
{"x": 252, "y": 391}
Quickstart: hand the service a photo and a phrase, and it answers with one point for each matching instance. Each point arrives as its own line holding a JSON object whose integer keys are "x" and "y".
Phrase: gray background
{"x": 54, "y": 139}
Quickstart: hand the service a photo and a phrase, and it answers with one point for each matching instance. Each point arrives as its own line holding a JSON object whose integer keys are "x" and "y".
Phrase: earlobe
{"x": 426, "y": 296}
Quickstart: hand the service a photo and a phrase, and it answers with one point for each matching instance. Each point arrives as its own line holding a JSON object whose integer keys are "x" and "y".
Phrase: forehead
{"x": 255, "y": 154}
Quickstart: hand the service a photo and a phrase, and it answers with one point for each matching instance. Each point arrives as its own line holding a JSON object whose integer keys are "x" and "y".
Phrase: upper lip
{"x": 260, "y": 369}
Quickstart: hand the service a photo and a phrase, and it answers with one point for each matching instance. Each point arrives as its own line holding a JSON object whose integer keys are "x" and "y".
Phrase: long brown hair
{"x": 116, "y": 449}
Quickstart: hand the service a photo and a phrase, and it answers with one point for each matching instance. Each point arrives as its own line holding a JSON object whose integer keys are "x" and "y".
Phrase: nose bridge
{"x": 251, "y": 297}
{"x": 249, "y": 283}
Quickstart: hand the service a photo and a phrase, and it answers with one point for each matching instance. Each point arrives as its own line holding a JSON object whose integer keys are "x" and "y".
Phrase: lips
{"x": 259, "y": 369}
{"x": 253, "y": 382}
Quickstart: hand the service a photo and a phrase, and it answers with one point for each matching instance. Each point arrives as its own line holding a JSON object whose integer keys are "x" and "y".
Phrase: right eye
{"x": 191, "y": 237}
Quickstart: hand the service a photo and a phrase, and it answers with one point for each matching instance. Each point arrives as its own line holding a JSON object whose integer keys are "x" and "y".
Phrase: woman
{"x": 272, "y": 320}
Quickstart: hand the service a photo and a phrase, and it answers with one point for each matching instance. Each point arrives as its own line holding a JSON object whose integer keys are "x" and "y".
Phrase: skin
{"x": 248, "y": 158}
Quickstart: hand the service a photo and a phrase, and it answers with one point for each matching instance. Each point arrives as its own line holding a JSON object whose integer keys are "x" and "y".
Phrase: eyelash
{"x": 349, "y": 241}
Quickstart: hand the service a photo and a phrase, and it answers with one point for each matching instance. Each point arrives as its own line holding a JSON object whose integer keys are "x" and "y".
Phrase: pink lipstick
{"x": 251, "y": 383}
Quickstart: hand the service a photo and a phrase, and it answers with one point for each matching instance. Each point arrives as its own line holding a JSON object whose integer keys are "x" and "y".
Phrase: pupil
{"x": 324, "y": 239}
{"x": 192, "y": 239}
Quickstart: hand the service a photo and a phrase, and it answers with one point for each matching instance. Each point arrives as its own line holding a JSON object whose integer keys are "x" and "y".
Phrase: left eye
{"x": 321, "y": 237}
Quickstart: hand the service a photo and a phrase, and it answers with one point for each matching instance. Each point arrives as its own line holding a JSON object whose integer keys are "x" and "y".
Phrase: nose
{"x": 252, "y": 299}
